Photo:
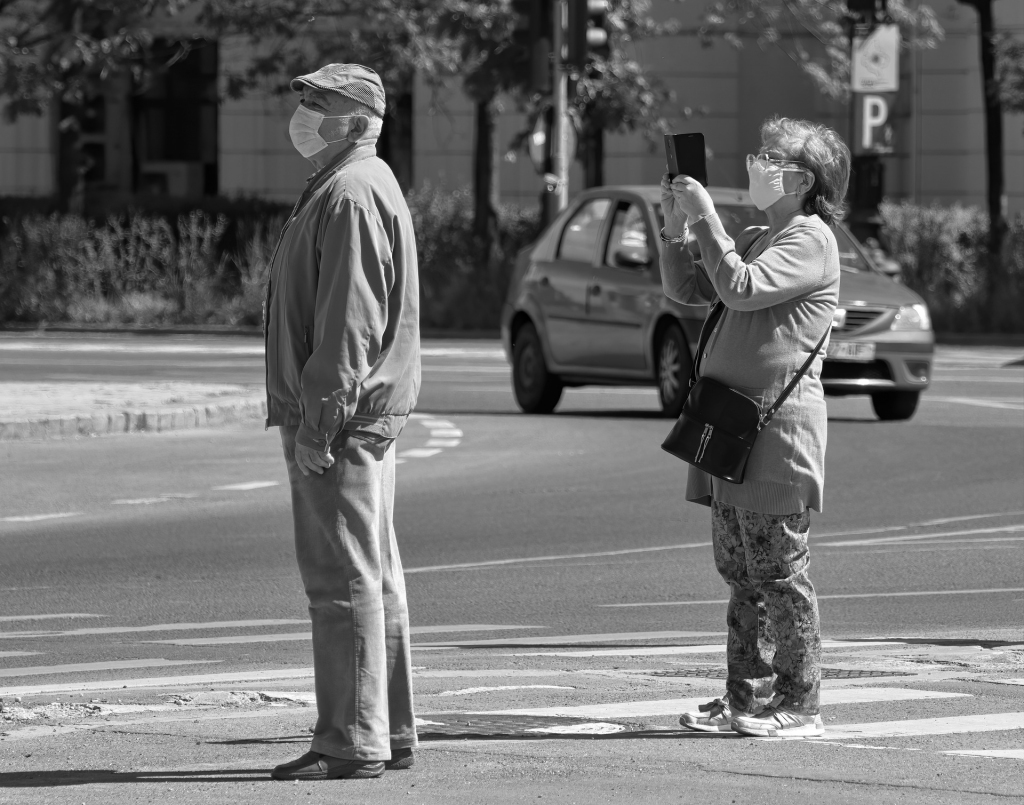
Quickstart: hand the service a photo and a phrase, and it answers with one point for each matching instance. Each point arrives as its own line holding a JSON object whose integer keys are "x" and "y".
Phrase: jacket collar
{"x": 361, "y": 150}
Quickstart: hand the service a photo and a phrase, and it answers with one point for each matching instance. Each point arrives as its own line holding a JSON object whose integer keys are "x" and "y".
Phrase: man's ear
{"x": 358, "y": 126}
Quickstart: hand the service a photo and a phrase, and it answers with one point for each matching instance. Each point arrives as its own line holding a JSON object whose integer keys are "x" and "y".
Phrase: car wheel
{"x": 674, "y": 362}
{"x": 537, "y": 390}
{"x": 895, "y": 405}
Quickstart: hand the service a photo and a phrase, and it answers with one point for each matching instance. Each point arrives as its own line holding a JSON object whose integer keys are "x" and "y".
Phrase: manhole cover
{"x": 826, "y": 673}
{"x": 465, "y": 725}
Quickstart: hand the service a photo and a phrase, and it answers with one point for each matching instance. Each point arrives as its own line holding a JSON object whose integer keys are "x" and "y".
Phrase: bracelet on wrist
{"x": 667, "y": 239}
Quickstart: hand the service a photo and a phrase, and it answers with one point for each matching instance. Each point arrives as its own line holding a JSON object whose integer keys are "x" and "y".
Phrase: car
{"x": 585, "y": 307}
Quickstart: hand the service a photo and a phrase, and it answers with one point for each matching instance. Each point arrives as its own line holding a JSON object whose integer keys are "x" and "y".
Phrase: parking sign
{"x": 872, "y": 127}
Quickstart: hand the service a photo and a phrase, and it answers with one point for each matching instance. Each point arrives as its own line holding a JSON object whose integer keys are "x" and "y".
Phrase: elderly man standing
{"x": 343, "y": 372}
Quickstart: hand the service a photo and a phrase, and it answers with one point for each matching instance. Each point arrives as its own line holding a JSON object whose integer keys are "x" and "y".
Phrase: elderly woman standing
{"x": 779, "y": 286}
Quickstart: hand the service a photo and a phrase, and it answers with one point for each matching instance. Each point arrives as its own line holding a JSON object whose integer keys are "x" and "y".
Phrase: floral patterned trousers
{"x": 774, "y": 644}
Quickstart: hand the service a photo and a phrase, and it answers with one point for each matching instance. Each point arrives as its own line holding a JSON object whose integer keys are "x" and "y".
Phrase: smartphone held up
{"x": 685, "y": 154}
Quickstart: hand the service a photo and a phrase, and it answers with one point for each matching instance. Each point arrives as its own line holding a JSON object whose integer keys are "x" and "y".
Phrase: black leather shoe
{"x": 400, "y": 759}
{"x": 314, "y": 766}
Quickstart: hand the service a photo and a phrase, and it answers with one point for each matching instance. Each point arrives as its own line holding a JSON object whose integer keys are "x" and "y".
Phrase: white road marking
{"x": 35, "y": 518}
{"x": 430, "y": 423}
{"x": 490, "y": 369}
{"x": 994, "y": 722}
{"x": 471, "y": 691}
{"x": 246, "y": 486}
{"x": 879, "y": 530}
{"x": 1014, "y": 754}
{"x": 159, "y": 627}
{"x": 590, "y": 728}
{"x": 161, "y": 682}
{"x": 553, "y": 558}
{"x": 139, "y": 501}
{"x": 1005, "y": 403}
{"x": 829, "y": 696}
{"x": 991, "y": 591}
{"x": 54, "y": 616}
{"x": 462, "y": 352}
{"x": 559, "y": 640}
{"x": 418, "y": 452}
{"x": 84, "y": 667}
{"x": 1006, "y": 681}
{"x": 442, "y": 443}
{"x": 445, "y": 433}
{"x": 639, "y": 651}
{"x": 18, "y": 653}
{"x": 491, "y": 673}
{"x": 944, "y": 520}
{"x": 279, "y": 638}
{"x": 140, "y": 349}
{"x": 1009, "y": 529}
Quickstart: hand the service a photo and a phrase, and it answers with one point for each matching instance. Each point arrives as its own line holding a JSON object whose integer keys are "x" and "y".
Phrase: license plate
{"x": 851, "y": 351}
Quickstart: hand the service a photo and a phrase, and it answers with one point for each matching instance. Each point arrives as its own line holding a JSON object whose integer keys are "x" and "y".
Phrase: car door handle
{"x": 595, "y": 289}
{"x": 544, "y": 281}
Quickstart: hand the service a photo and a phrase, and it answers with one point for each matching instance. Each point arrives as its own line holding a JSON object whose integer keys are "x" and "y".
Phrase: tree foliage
{"x": 786, "y": 24}
{"x": 1010, "y": 71}
{"x": 64, "y": 50}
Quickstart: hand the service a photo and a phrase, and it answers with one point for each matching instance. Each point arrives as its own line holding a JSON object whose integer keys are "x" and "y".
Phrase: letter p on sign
{"x": 874, "y": 131}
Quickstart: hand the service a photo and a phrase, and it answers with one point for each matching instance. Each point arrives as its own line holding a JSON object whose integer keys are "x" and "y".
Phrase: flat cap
{"x": 354, "y": 81}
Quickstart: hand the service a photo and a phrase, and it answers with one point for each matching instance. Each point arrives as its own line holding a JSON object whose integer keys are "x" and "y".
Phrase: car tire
{"x": 673, "y": 361}
{"x": 537, "y": 391}
{"x": 895, "y": 405}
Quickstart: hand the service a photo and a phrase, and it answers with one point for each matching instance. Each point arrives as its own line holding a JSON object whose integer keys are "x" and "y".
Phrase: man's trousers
{"x": 348, "y": 559}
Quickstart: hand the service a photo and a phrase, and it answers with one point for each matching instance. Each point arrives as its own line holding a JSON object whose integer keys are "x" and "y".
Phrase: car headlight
{"x": 912, "y": 317}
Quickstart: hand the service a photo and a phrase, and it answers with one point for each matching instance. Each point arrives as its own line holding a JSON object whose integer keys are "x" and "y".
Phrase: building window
{"x": 175, "y": 125}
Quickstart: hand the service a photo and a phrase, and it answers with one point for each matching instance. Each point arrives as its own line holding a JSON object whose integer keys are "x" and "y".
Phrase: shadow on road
{"x": 50, "y": 778}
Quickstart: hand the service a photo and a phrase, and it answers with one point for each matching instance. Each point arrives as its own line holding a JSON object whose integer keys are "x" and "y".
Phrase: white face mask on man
{"x": 304, "y": 129}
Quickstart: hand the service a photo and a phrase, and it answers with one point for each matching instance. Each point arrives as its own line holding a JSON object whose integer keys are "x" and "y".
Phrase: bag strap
{"x": 714, "y": 314}
{"x": 766, "y": 417}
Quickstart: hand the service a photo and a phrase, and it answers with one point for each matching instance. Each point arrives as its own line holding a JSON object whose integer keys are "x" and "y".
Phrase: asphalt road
{"x": 153, "y": 555}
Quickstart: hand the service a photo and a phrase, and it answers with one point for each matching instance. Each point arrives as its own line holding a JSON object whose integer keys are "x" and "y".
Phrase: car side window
{"x": 627, "y": 243}
{"x": 580, "y": 236}
{"x": 849, "y": 255}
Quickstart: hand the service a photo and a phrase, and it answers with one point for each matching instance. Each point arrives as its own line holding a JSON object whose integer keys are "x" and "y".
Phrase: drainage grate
{"x": 466, "y": 725}
{"x": 826, "y": 673}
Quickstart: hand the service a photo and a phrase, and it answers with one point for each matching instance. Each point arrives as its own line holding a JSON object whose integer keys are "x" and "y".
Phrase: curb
{"x": 157, "y": 420}
{"x": 208, "y": 329}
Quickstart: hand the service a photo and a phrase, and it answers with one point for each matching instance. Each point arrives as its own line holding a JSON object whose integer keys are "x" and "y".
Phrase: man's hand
{"x": 675, "y": 216}
{"x": 310, "y": 460}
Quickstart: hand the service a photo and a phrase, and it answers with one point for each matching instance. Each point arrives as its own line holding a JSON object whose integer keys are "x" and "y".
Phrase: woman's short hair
{"x": 823, "y": 152}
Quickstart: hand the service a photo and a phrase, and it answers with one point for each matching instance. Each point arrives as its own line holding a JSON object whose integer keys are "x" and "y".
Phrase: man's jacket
{"x": 342, "y": 311}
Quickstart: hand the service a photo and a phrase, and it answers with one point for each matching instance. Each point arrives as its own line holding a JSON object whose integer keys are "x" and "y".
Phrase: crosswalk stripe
{"x": 278, "y": 638}
{"x": 1015, "y": 754}
{"x": 553, "y": 558}
{"x": 80, "y": 667}
{"x": 654, "y": 651}
{"x": 908, "y": 594}
{"x": 662, "y": 707}
{"x": 158, "y": 627}
{"x": 160, "y": 682}
{"x": 54, "y": 616}
{"x": 558, "y": 640}
{"x": 18, "y": 653}
{"x": 995, "y": 722}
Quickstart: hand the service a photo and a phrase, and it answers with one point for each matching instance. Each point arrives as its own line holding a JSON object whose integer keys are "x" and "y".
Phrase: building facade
{"x": 181, "y": 137}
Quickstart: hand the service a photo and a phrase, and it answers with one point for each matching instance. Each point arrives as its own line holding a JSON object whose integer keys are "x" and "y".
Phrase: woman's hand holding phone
{"x": 683, "y": 199}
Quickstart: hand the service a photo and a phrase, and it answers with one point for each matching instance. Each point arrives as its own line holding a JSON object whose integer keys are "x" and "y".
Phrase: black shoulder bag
{"x": 718, "y": 425}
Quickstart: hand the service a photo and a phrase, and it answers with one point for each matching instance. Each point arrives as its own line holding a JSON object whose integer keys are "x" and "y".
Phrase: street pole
{"x": 560, "y": 87}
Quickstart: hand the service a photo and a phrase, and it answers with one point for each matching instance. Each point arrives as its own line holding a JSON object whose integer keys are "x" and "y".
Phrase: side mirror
{"x": 632, "y": 259}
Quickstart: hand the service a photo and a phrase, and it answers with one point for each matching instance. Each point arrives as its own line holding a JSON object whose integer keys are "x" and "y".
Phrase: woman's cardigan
{"x": 778, "y": 303}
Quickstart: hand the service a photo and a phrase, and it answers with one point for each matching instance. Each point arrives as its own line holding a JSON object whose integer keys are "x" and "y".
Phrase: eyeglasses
{"x": 763, "y": 161}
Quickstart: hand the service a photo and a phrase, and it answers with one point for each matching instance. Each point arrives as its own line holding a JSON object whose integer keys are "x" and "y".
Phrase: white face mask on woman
{"x": 304, "y": 129}
{"x": 766, "y": 181}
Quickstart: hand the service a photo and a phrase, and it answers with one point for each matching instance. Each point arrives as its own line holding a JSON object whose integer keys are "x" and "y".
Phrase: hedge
{"x": 209, "y": 266}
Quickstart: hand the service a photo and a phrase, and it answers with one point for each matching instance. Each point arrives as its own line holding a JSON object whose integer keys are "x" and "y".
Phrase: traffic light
{"x": 587, "y": 35}
{"x": 533, "y": 20}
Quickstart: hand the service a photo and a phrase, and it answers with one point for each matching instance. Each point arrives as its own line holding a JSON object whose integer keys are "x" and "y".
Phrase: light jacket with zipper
{"x": 341, "y": 317}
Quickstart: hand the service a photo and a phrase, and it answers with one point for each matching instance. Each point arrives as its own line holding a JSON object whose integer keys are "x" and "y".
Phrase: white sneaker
{"x": 777, "y": 722}
{"x": 715, "y": 716}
